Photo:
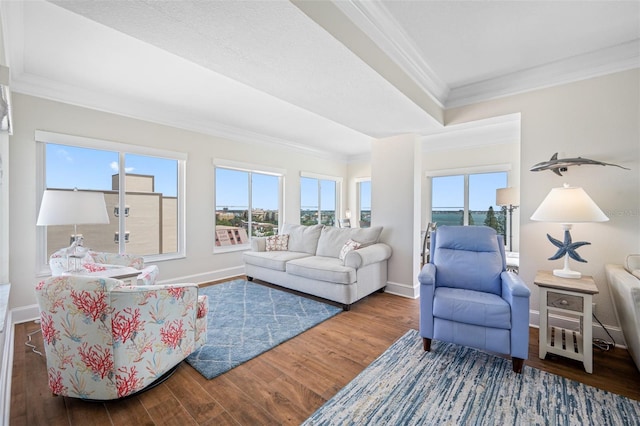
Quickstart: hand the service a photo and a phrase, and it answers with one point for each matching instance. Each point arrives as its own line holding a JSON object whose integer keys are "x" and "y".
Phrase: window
{"x": 468, "y": 199}
{"x": 364, "y": 203}
{"x": 318, "y": 200}
{"x": 142, "y": 182}
{"x": 248, "y": 203}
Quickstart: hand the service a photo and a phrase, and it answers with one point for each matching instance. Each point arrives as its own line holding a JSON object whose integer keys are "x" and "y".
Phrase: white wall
{"x": 598, "y": 119}
{"x": 31, "y": 114}
{"x": 395, "y": 205}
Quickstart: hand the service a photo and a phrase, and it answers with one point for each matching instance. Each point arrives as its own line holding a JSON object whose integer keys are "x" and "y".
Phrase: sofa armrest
{"x": 185, "y": 294}
{"x": 367, "y": 255}
{"x": 124, "y": 259}
{"x": 259, "y": 244}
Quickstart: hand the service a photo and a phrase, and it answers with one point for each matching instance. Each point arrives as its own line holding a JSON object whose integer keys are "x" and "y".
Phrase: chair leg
{"x": 426, "y": 344}
{"x": 518, "y": 363}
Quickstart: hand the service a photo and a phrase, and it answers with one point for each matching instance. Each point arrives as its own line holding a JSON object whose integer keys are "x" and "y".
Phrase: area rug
{"x": 454, "y": 385}
{"x": 246, "y": 319}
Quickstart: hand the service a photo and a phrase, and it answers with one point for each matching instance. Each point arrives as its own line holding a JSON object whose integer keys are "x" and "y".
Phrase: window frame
{"x": 338, "y": 202}
{"x": 248, "y": 168}
{"x": 42, "y": 138}
{"x": 465, "y": 172}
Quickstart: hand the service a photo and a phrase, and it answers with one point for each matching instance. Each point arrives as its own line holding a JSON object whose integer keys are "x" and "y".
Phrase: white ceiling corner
{"x": 376, "y": 21}
{"x": 265, "y": 72}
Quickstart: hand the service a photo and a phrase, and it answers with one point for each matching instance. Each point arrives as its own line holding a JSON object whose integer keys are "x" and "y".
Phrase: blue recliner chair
{"x": 468, "y": 298}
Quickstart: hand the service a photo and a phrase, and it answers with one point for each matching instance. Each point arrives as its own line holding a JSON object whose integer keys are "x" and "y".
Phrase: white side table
{"x": 569, "y": 298}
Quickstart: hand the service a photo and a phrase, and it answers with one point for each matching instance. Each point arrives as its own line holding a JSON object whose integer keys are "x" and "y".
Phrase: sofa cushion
{"x": 322, "y": 269}
{"x": 275, "y": 260}
{"x": 303, "y": 238}
{"x": 471, "y": 307}
{"x": 277, "y": 242}
{"x": 332, "y": 239}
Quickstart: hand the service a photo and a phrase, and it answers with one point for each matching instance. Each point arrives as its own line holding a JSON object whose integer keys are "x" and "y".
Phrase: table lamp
{"x": 510, "y": 198}
{"x": 568, "y": 205}
{"x": 66, "y": 207}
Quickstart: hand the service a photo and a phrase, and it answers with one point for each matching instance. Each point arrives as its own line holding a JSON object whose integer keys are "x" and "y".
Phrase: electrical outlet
{"x": 593, "y": 308}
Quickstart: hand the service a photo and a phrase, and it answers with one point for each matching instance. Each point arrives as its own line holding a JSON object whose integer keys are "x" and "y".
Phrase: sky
{"x": 86, "y": 168}
{"x": 448, "y": 191}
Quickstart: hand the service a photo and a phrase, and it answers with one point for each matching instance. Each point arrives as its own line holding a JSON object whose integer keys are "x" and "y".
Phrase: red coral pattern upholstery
{"x": 104, "y": 340}
{"x": 95, "y": 261}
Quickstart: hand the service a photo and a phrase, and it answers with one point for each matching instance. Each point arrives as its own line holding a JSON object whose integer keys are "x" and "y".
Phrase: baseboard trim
{"x": 207, "y": 277}
{"x": 401, "y": 289}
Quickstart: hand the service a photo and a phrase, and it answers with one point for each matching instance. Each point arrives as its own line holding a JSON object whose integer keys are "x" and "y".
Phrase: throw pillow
{"x": 278, "y": 242}
{"x": 347, "y": 247}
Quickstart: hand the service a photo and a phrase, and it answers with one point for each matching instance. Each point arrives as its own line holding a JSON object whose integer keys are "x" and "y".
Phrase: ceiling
{"x": 318, "y": 76}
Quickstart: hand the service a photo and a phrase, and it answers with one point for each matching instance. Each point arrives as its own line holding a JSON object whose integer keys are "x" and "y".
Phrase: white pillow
{"x": 347, "y": 247}
{"x": 277, "y": 242}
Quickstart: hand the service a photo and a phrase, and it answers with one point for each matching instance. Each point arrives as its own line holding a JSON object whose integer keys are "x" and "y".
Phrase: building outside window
{"x": 248, "y": 203}
{"x": 318, "y": 200}
{"x": 468, "y": 199}
{"x": 145, "y": 183}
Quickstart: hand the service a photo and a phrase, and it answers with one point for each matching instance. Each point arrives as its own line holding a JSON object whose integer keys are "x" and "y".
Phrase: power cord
{"x": 601, "y": 343}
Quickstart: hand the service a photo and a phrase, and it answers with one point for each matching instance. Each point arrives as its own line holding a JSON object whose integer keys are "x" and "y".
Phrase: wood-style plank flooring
{"x": 282, "y": 386}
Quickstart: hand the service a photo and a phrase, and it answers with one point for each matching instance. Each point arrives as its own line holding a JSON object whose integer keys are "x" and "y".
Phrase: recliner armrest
{"x": 427, "y": 275}
{"x": 513, "y": 286}
{"x": 367, "y": 255}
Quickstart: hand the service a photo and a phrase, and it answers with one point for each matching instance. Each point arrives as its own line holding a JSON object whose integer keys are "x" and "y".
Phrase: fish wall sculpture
{"x": 556, "y": 165}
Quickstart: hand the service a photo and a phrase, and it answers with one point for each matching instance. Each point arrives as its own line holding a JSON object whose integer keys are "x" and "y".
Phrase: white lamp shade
{"x": 508, "y": 196}
{"x": 568, "y": 205}
{"x": 72, "y": 208}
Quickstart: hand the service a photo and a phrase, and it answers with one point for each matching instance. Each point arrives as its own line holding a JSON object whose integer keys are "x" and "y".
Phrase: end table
{"x": 572, "y": 298}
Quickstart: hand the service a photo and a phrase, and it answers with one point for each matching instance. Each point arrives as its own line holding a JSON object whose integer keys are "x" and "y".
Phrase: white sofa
{"x": 311, "y": 262}
{"x": 624, "y": 282}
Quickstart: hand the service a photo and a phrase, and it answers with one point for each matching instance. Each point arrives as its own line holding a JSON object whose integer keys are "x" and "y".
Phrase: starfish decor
{"x": 567, "y": 247}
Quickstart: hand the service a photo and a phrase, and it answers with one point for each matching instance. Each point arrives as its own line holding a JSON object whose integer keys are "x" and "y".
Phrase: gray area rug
{"x": 246, "y": 319}
{"x": 454, "y": 385}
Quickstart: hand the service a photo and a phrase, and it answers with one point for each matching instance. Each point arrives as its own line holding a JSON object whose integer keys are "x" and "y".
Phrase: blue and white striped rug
{"x": 454, "y": 385}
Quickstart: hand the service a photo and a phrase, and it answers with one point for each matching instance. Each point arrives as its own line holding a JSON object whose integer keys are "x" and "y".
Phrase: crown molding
{"x": 377, "y": 23}
{"x": 617, "y": 58}
{"x": 55, "y": 91}
{"x": 491, "y": 131}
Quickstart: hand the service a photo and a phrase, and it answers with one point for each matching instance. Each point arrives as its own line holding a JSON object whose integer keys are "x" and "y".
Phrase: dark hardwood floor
{"x": 282, "y": 386}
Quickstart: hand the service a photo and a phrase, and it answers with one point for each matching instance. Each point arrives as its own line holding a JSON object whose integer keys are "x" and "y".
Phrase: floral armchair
{"x": 104, "y": 340}
{"x": 94, "y": 261}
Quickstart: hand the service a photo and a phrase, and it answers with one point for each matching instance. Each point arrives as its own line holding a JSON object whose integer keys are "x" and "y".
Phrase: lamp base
{"x": 567, "y": 273}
